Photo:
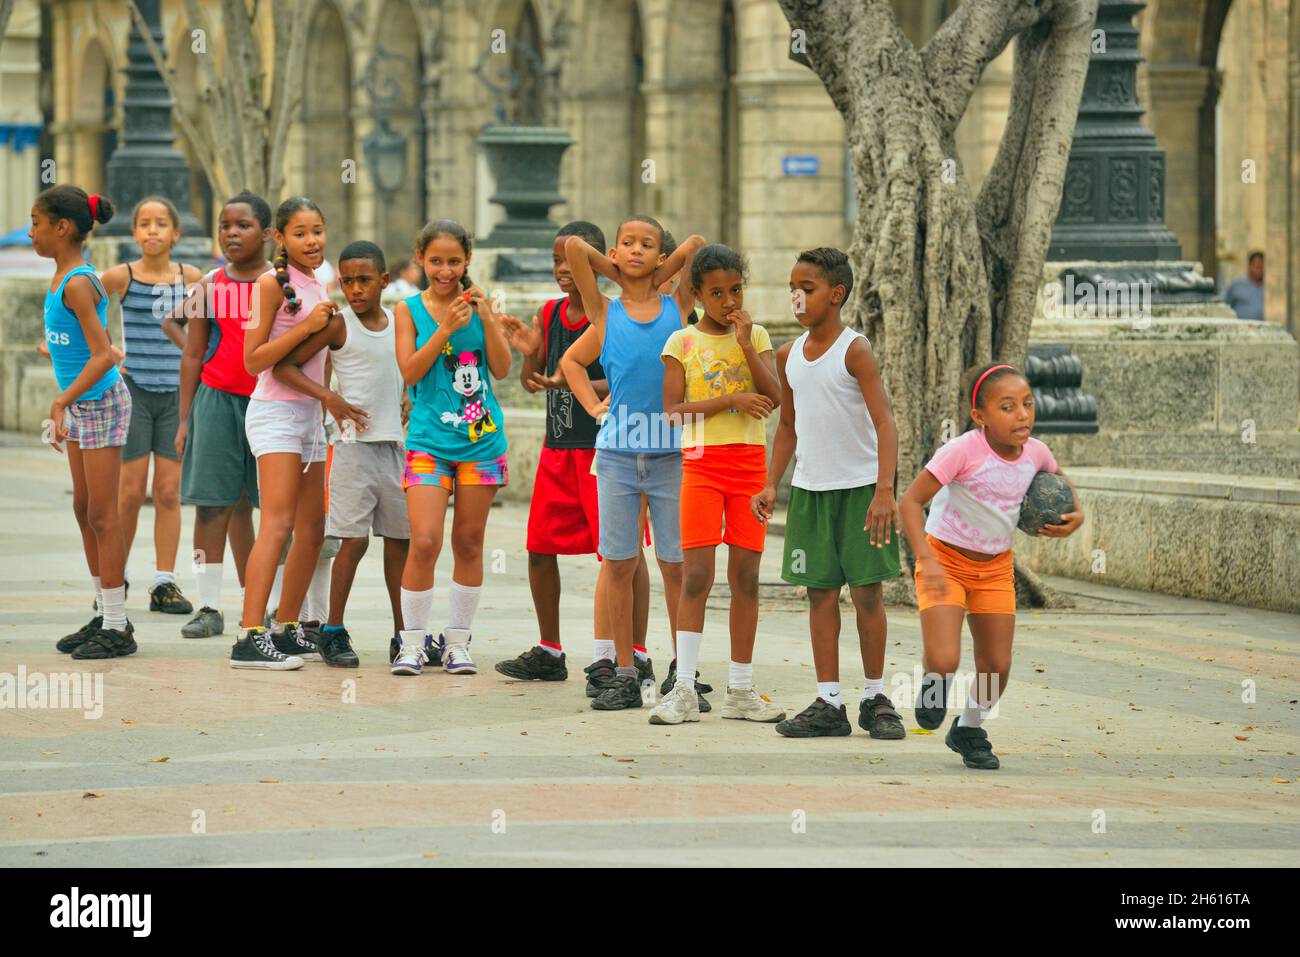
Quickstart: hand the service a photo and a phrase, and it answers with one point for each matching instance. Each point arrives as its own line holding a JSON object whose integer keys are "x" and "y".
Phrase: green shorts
{"x": 218, "y": 469}
{"x": 826, "y": 545}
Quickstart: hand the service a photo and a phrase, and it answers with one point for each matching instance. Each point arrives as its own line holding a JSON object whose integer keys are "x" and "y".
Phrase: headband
{"x": 974, "y": 393}
{"x": 93, "y": 200}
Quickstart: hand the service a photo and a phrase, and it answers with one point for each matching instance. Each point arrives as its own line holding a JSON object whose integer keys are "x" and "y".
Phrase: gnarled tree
{"x": 945, "y": 279}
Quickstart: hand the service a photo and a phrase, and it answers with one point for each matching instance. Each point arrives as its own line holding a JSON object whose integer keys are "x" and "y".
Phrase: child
{"x": 218, "y": 470}
{"x": 406, "y": 285}
{"x": 963, "y": 551}
{"x": 638, "y": 449}
{"x": 149, "y": 289}
{"x": 286, "y": 435}
{"x": 92, "y": 411}
{"x": 719, "y": 373}
{"x": 367, "y": 456}
{"x": 448, "y": 340}
{"x": 836, "y": 420}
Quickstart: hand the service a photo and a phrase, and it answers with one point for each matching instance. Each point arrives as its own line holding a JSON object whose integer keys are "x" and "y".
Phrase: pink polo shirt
{"x": 311, "y": 291}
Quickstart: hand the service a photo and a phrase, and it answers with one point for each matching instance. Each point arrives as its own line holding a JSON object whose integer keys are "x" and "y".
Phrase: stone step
{"x": 1274, "y": 454}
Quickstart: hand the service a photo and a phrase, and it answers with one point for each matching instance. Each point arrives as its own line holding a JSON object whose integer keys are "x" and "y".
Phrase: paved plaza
{"x": 1124, "y": 737}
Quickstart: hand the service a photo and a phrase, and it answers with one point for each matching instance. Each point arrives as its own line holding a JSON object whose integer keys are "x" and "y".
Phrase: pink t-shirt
{"x": 979, "y": 504}
{"x": 311, "y": 291}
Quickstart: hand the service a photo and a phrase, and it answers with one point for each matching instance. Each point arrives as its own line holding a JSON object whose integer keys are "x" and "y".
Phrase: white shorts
{"x": 286, "y": 425}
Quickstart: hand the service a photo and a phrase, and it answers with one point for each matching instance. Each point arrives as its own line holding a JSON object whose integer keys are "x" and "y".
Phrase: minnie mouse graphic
{"x": 468, "y": 382}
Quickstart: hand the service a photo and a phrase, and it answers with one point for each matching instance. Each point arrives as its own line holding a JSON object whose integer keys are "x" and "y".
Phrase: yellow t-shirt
{"x": 715, "y": 366}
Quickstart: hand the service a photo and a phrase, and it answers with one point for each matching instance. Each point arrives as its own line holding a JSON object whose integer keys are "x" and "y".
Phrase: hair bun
{"x": 101, "y": 208}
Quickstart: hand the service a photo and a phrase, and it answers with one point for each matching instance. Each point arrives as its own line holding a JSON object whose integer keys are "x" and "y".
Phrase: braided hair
{"x": 283, "y": 214}
{"x": 447, "y": 227}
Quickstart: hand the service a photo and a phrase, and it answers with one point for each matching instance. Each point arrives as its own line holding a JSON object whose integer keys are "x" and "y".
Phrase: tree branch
{"x": 286, "y": 85}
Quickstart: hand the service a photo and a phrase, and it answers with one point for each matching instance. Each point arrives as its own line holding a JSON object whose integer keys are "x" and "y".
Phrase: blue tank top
{"x": 635, "y": 372}
{"x": 69, "y": 350}
{"x": 455, "y": 414}
{"x": 152, "y": 360}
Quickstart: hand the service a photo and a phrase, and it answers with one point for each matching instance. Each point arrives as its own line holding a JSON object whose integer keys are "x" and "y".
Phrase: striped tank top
{"x": 152, "y": 360}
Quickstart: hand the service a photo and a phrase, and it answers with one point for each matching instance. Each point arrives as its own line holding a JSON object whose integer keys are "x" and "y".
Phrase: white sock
{"x": 553, "y": 652}
{"x": 273, "y": 602}
{"x": 98, "y": 585}
{"x": 641, "y": 655}
{"x": 972, "y": 716}
{"x": 412, "y": 636}
{"x": 872, "y": 687}
{"x": 126, "y": 572}
{"x": 740, "y": 675}
{"x": 115, "y": 608}
{"x": 163, "y": 578}
{"x": 416, "y": 607}
{"x": 688, "y": 657}
{"x": 829, "y": 691}
{"x": 209, "y": 577}
{"x": 462, "y": 602}
{"x": 603, "y": 648}
{"x": 318, "y": 592}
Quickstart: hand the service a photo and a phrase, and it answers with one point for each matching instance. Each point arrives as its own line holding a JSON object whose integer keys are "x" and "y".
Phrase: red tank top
{"x": 230, "y": 304}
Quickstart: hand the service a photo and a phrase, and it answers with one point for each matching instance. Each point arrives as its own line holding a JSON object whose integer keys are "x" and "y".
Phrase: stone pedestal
{"x": 525, "y": 162}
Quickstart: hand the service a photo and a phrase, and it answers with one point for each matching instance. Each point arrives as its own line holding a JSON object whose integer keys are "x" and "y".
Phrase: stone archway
{"x": 92, "y": 131}
{"x": 325, "y": 134}
{"x": 399, "y": 77}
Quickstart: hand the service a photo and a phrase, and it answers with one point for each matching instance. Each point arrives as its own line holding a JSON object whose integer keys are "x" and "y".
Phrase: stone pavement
{"x": 1124, "y": 738}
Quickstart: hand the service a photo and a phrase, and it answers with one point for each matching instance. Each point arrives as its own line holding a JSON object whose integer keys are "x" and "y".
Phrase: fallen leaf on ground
{"x": 916, "y": 731}
{"x": 163, "y": 760}
{"x": 100, "y": 794}
{"x": 268, "y": 780}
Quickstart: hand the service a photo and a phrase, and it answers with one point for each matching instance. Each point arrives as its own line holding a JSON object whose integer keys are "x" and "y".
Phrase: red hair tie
{"x": 980, "y": 381}
{"x": 93, "y": 199}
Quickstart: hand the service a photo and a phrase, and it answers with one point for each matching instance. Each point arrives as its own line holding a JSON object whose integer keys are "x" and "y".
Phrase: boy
{"x": 365, "y": 481}
{"x": 638, "y": 450}
{"x": 836, "y": 421}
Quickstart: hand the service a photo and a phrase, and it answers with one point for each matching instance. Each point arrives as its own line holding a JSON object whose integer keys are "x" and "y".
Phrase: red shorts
{"x": 564, "y": 518}
{"x": 718, "y": 482}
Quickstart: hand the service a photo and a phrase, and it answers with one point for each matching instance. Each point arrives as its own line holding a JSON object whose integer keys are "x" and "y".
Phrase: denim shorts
{"x": 621, "y": 479}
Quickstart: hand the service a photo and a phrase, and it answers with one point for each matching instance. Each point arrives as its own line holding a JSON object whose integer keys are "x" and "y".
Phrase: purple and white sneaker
{"x": 410, "y": 657}
{"x": 454, "y": 645}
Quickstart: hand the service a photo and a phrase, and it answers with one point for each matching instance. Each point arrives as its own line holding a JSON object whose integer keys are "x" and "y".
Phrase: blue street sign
{"x": 800, "y": 165}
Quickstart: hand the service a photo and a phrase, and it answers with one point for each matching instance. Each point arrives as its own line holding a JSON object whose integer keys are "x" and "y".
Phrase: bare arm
{"x": 81, "y": 296}
{"x": 289, "y": 369}
{"x": 882, "y": 514}
{"x": 783, "y": 444}
{"x": 677, "y": 262}
{"x": 912, "y": 510}
{"x": 677, "y": 408}
{"x": 494, "y": 338}
{"x": 262, "y": 352}
{"x": 172, "y": 330}
{"x": 594, "y": 302}
{"x": 574, "y": 364}
{"x": 416, "y": 363}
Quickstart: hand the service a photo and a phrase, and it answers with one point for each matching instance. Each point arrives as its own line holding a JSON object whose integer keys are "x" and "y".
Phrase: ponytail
{"x": 75, "y": 205}
{"x": 290, "y": 294}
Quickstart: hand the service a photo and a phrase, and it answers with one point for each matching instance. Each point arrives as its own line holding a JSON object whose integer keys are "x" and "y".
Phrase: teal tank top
{"x": 69, "y": 350}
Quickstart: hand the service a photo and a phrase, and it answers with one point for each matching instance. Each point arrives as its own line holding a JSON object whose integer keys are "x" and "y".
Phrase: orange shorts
{"x": 717, "y": 483}
{"x": 982, "y": 588}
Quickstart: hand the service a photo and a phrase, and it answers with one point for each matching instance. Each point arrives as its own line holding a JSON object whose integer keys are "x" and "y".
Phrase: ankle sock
{"x": 462, "y": 603}
{"x": 416, "y": 607}
{"x": 550, "y": 649}
{"x": 115, "y": 608}
{"x": 688, "y": 656}
{"x": 740, "y": 675}
{"x": 209, "y": 576}
{"x": 872, "y": 687}
{"x": 640, "y": 652}
{"x": 829, "y": 691}
{"x": 602, "y": 649}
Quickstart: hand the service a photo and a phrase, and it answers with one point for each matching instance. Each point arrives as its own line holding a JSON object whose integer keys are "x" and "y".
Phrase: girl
{"x": 448, "y": 339}
{"x": 219, "y": 473}
{"x": 963, "y": 551}
{"x": 719, "y": 380}
{"x": 286, "y": 435}
{"x": 92, "y": 412}
{"x": 149, "y": 289}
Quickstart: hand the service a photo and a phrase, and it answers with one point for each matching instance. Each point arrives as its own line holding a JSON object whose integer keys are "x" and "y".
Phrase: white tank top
{"x": 836, "y": 440}
{"x": 368, "y": 376}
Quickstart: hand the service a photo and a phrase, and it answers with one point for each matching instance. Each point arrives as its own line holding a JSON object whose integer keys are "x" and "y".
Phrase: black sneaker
{"x": 877, "y": 717}
{"x": 292, "y": 641}
{"x": 701, "y": 689}
{"x": 645, "y": 668}
{"x": 623, "y": 691}
{"x": 70, "y": 643}
{"x": 108, "y": 643}
{"x": 535, "y": 664}
{"x": 255, "y": 649}
{"x": 973, "y": 746}
{"x": 819, "y": 720}
{"x": 312, "y": 629}
{"x": 931, "y": 702}
{"x": 599, "y": 675}
{"x": 336, "y": 648}
{"x": 168, "y": 599}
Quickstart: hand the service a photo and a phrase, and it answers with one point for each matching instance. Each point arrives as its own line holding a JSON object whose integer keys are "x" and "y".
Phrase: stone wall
{"x": 27, "y": 385}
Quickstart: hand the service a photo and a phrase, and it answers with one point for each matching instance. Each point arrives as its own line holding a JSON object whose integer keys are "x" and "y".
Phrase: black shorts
{"x": 155, "y": 417}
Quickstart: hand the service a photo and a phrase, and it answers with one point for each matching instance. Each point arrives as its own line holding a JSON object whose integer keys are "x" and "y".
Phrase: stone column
{"x": 1183, "y": 98}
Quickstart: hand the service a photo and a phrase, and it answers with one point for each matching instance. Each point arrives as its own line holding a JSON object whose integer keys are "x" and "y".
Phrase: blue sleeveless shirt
{"x": 635, "y": 372}
{"x": 69, "y": 350}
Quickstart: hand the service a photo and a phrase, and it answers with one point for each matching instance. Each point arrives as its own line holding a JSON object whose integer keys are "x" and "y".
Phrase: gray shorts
{"x": 155, "y": 417}
{"x": 218, "y": 468}
{"x": 365, "y": 490}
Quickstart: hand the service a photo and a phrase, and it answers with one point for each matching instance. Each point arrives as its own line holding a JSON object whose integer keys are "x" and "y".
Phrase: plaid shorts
{"x": 101, "y": 423}
{"x": 425, "y": 469}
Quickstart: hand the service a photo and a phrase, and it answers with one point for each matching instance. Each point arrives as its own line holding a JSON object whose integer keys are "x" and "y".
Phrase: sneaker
{"x": 70, "y": 643}
{"x": 455, "y": 652}
{"x": 535, "y": 664}
{"x": 877, "y": 717}
{"x": 336, "y": 648}
{"x": 676, "y": 707}
{"x": 599, "y": 674}
{"x": 746, "y": 704}
{"x": 622, "y": 691}
{"x": 931, "y": 702}
{"x": 207, "y": 623}
{"x": 168, "y": 599}
{"x": 973, "y": 746}
{"x": 410, "y": 660}
{"x": 700, "y": 687}
{"x": 819, "y": 720}
{"x": 645, "y": 669}
{"x": 433, "y": 651}
{"x": 255, "y": 649}
{"x": 394, "y": 648}
{"x": 291, "y": 640}
{"x": 108, "y": 643}
{"x": 312, "y": 629}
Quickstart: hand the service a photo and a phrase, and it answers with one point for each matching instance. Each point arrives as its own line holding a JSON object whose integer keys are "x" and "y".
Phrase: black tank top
{"x": 568, "y": 426}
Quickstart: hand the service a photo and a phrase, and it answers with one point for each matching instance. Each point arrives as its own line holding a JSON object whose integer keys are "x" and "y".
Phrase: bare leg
{"x": 278, "y": 475}
{"x": 308, "y": 534}
{"x": 80, "y": 508}
{"x": 130, "y": 497}
{"x": 872, "y": 627}
{"x": 241, "y": 538}
{"x": 351, "y": 551}
{"x": 166, "y": 512}
{"x": 103, "y": 471}
{"x": 394, "y": 560}
{"x": 544, "y": 581}
{"x": 742, "y": 576}
{"x": 824, "y": 625}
